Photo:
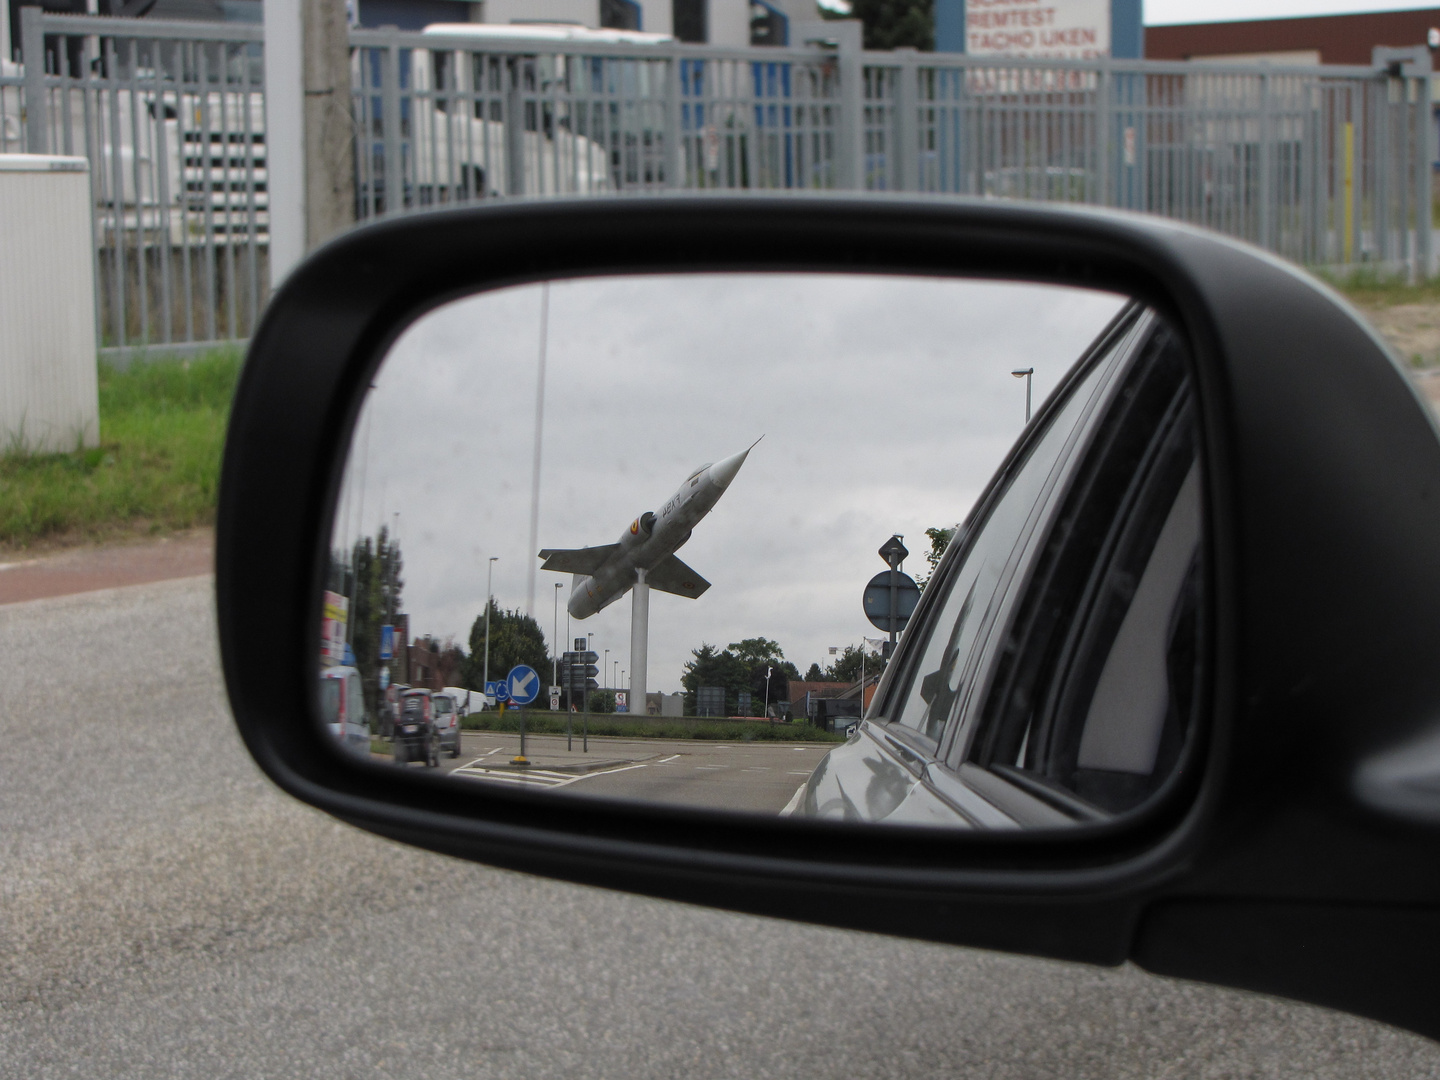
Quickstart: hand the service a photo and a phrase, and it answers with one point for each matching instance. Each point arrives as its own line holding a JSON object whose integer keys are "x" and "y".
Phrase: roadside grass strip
{"x": 162, "y": 429}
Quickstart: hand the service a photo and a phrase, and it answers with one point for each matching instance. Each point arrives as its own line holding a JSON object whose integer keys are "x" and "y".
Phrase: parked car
{"x": 416, "y": 736}
{"x": 447, "y": 721}
{"x": 342, "y": 708}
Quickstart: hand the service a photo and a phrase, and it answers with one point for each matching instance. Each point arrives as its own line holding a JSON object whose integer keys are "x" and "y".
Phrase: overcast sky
{"x": 885, "y": 405}
{"x": 1160, "y": 12}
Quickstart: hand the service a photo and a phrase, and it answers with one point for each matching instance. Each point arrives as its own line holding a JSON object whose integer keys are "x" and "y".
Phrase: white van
{"x": 342, "y": 705}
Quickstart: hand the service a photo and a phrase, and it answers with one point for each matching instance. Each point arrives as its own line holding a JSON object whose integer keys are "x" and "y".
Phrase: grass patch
{"x": 1371, "y": 288}
{"x": 162, "y": 428}
{"x": 548, "y": 723}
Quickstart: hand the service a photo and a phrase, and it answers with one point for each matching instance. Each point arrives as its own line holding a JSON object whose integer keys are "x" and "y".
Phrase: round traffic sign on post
{"x": 523, "y": 684}
{"x": 877, "y": 600}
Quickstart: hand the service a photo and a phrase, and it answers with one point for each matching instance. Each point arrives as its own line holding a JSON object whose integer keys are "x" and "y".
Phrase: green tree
{"x": 891, "y": 24}
{"x": 740, "y": 668}
{"x": 939, "y": 541}
{"x": 515, "y": 638}
{"x": 602, "y": 701}
{"x": 814, "y": 674}
{"x": 714, "y": 667}
{"x": 369, "y": 575}
{"x": 850, "y": 663}
{"x": 758, "y": 652}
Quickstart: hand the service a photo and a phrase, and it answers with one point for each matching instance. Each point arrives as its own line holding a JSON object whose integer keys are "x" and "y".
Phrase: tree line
{"x": 370, "y": 575}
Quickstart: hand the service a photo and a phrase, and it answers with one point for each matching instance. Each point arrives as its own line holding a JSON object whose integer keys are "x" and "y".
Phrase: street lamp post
{"x": 607, "y": 664}
{"x": 615, "y": 674}
{"x": 1027, "y": 374}
{"x": 489, "y": 583}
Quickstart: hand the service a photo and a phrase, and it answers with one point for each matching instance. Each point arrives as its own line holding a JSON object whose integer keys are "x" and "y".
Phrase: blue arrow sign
{"x": 523, "y": 683}
{"x": 498, "y": 689}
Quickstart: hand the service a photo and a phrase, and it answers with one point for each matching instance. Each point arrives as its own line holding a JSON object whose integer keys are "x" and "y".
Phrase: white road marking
{"x": 666, "y": 761}
{"x": 792, "y": 772}
{"x": 756, "y": 768}
{"x": 712, "y": 766}
{"x": 537, "y": 777}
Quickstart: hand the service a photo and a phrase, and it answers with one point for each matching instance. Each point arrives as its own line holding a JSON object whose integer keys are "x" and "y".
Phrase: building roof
{"x": 1338, "y": 39}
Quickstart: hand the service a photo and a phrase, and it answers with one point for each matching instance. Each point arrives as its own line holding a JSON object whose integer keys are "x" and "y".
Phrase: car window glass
{"x": 1093, "y": 695}
{"x": 939, "y": 684}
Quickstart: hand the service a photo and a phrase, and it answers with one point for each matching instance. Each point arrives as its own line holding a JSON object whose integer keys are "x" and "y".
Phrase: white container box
{"x": 49, "y": 399}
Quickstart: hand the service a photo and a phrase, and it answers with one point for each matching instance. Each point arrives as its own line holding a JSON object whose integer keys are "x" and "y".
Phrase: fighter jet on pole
{"x": 643, "y": 558}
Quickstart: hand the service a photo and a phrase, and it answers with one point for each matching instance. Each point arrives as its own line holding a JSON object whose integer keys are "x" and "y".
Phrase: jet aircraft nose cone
{"x": 722, "y": 472}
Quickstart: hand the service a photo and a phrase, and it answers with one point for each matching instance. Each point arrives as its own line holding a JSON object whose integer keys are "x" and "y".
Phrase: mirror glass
{"x": 732, "y": 541}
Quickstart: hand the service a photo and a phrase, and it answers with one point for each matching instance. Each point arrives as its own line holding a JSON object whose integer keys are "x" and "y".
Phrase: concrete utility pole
{"x": 310, "y": 145}
{"x": 329, "y": 130}
{"x": 639, "y": 640}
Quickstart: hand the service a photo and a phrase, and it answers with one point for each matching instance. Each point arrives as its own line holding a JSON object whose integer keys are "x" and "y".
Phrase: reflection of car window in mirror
{"x": 508, "y": 589}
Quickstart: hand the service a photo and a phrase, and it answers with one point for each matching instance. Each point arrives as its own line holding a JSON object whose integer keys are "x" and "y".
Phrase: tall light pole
{"x": 607, "y": 664}
{"x": 489, "y": 583}
{"x": 1026, "y": 373}
{"x": 616, "y": 674}
{"x": 555, "y": 637}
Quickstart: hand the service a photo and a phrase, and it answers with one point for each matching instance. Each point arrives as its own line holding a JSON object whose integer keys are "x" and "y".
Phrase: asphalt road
{"x": 754, "y": 777}
{"x": 165, "y": 913}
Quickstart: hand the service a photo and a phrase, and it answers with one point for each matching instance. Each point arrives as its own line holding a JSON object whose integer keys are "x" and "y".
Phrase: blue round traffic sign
{"x": 523, "y": 683}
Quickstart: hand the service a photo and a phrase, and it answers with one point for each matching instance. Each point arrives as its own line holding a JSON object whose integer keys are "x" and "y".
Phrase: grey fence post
{"x": 390, "y": 124}
{"x": 1424, "y": 156}
{"x": 850, "y": 146}
{"x": 1268, "y": 192}
{"x": 37, "y": 110}
{"x": 1104, "y": 84}
{"x": 905, "y": 135}
{"x": 674, "y": 154}
{"x": 515, "y": 131}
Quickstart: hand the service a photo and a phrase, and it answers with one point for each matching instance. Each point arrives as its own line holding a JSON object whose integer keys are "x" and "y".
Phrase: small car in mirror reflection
{"x": 416, "y": 736}
{"x": 446, "y": 712}
{"x": 342, "y": 706}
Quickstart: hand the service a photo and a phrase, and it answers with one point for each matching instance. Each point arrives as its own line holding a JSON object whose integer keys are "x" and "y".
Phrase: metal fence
{"x": 1325, "y": 165}
{"x": 172, "y": 119}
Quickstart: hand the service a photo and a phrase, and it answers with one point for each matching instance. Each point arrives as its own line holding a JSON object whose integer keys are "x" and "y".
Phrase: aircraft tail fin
{"x": 673, "y": 576}
{"x": 586, "y": 560}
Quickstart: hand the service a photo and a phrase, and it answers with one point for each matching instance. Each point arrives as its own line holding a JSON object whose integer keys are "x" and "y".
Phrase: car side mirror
{"x": 1167, "y": 698}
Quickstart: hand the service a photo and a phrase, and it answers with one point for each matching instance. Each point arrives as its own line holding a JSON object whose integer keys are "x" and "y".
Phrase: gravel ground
{"x": 164, "y": 912}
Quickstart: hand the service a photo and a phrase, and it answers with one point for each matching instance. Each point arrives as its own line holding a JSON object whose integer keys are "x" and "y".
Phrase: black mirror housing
{"x": 1310, "y": 814}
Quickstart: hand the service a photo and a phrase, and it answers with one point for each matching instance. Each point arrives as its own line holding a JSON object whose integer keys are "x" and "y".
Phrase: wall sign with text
{"x": 1052, "y": 29}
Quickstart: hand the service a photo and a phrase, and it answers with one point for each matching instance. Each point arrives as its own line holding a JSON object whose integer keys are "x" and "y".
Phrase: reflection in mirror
{"x": 508, "y": 603}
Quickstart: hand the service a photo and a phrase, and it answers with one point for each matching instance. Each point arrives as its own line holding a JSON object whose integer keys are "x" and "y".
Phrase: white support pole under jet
{"x": 639, "y": 642}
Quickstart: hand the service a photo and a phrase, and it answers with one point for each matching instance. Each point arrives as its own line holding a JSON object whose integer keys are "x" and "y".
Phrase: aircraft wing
{"x": 673, "y": 576}
{"x": 586, "y": 560}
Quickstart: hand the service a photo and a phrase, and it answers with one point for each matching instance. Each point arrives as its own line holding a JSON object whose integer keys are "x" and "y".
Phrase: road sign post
{"x": 522, "y": 686}
{"x": 578, "y": 673}
{"x": 891, "y": 596}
